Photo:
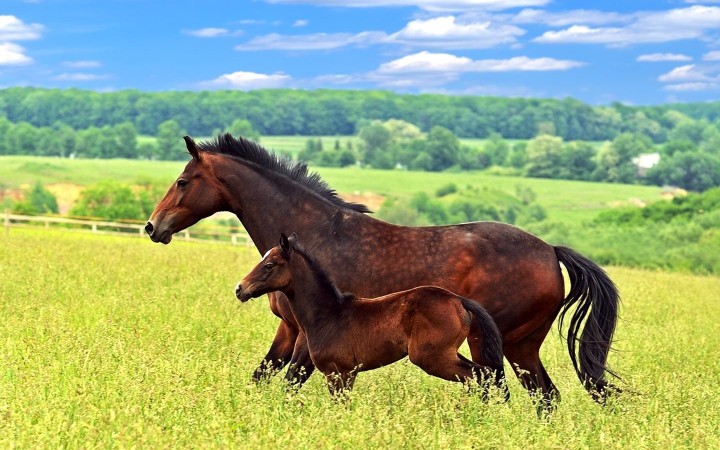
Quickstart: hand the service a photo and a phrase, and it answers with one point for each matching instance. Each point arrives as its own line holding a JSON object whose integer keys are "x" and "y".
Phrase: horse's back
{"x": 512, "y": 273}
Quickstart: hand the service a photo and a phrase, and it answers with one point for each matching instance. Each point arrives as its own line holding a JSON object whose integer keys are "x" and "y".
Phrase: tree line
{"x": 109, "y": 141}
{"x": 689, "y": 159}
{"x": 46, "y": 122}
{"x": 337, "y": 112}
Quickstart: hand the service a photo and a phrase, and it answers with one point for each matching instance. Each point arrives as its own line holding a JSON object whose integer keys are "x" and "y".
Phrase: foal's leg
{"x": 448, "y": 364}
{"x": 301, "y": 365}
{"x": 280, "y": 352}
{"x": 498, "y": 373}
{"x": 487, "y": 376}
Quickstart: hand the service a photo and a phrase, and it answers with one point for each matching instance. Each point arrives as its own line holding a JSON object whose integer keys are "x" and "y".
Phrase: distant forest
{"x": 542, "y": 138}
{"x": 337, "y": 112}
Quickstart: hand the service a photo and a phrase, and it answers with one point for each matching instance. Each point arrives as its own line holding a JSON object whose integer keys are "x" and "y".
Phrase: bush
{"x": 109, "y": 200}
{"x": 38, "y": 201}
{"x": 447, "y": 189}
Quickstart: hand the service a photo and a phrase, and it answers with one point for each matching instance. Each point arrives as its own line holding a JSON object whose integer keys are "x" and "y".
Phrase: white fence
{"x": 120, "y": 229}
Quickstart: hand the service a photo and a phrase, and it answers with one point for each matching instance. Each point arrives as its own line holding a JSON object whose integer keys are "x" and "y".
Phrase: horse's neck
{"x": 269, "y": 204}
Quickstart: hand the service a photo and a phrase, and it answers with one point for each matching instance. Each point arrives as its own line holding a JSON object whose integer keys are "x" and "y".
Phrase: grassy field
{"x": 563, "y": 200}
{"x": 157, "y": 353}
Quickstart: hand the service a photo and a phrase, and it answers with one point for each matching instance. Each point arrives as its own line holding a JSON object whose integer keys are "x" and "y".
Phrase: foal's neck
{"x": 315, "y": 300}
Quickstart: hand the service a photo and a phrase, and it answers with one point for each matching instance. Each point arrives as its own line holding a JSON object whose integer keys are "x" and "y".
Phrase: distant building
{"x": 645, "y": 162}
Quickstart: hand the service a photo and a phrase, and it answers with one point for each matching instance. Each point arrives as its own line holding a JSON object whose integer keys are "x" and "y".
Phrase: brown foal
{"x": 428, "y": 324}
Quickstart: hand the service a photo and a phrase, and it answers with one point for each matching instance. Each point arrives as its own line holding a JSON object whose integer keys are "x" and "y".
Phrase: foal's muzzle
{"x": 242, "y": 294}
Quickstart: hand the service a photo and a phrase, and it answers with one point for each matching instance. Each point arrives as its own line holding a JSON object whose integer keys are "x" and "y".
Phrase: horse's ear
{"x": 192, "y": 147}
{"x": 293, "y": 239}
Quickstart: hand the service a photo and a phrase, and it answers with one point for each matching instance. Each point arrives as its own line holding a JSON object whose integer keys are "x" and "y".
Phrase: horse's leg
{"x": 280, "y": 352}
{"x": 524, "y": 358}
{"x": 339, "y": 383}
{"x": 301, "y": 365}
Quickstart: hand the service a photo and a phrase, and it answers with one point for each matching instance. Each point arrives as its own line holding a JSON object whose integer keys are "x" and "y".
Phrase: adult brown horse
{"x": 514, "y": 275}
{"x": 346, "y": 334}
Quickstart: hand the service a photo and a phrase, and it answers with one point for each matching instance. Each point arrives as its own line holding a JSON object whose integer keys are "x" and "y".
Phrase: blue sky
{"x": 637, "y": 52}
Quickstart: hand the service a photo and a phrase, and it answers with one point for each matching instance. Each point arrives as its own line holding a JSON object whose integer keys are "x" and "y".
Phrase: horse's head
{"x": 195, "y": 194}
{"x": 272, "y": 273}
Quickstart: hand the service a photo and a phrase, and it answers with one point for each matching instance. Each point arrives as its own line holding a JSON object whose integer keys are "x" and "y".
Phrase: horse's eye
{"x": 269, "y": 266}
{"x": 182, "y": 183}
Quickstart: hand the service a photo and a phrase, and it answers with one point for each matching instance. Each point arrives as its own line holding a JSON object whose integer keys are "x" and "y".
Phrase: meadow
{"x": 564, "y": 200}
{"x": 118, "y": 342}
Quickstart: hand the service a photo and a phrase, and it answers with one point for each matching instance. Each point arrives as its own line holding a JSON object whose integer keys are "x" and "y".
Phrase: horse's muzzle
{"x": 158, "y": 235}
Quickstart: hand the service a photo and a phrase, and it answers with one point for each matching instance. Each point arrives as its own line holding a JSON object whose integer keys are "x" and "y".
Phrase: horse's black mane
{"x": 250, "y": 151}
{"x": 322, "y": 275}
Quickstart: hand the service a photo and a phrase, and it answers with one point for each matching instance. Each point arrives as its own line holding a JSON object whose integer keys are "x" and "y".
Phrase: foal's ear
{"x": 293, "y": 239}
{"x": 284, "y": 243}
{"x": 192, "y": 147}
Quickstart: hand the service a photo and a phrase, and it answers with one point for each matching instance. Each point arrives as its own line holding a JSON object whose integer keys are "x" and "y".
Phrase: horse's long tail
{"x": 484, "y": 325}
{"x": 597, "y": 299}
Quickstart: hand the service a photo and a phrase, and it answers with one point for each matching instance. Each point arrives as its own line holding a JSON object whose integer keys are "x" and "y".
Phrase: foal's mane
{"x": 322, "y": 276}
{"x": 250, "y": 151}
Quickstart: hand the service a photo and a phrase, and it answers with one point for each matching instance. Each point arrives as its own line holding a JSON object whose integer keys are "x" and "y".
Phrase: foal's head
{"x": 281, "y": 267}
{"x": 272, "y": 273}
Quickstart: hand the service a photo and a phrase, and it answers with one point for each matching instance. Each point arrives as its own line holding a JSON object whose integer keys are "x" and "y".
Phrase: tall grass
{"x": 117, "y": 342}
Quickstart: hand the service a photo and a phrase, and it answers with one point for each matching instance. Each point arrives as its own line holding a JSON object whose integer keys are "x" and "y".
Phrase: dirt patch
{"x": 66, "y": 194}
{"x": 369, "y": 199}
{"x": 13, "y": 194}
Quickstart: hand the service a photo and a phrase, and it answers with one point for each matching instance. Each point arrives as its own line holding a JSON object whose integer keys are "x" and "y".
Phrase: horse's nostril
{"x": 149, "y": 228}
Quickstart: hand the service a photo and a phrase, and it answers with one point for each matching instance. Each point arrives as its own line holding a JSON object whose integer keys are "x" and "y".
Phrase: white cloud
{"x": 690, "y": 72}
{"x": 646, "y": 27}
{"x": 447, "y": 32}
{"x": 692, "y": 77}
{"x": 572, "y": 17}
{"x": 697, "y": 86}
{"x": 212, "y": 32}
{"x": 82, "y": 64}
{"x": 425, "y": 62}
{"x": 316, "y": 41}
{"x": 429, "y": 5}
{"x": 13, "y": 55}
{"x": 78, "y": 76}
{"x": 712, "y": 56}
{"x": 248, "y": 81}
{"x": 581, "y": 34}
{"x": 300, "y": 23}
{"x": 14, "y": 29}
{"x": 659, "y": 57}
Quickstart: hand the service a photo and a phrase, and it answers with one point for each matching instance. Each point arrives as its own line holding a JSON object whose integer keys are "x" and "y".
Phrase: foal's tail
{"x": 484, "y": 325}
{"x": 597, "y": 299}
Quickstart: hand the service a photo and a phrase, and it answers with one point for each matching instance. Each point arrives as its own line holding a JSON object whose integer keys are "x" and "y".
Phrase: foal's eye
{"x": 182, "y": 183}
{"x": 269, "y": 266}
